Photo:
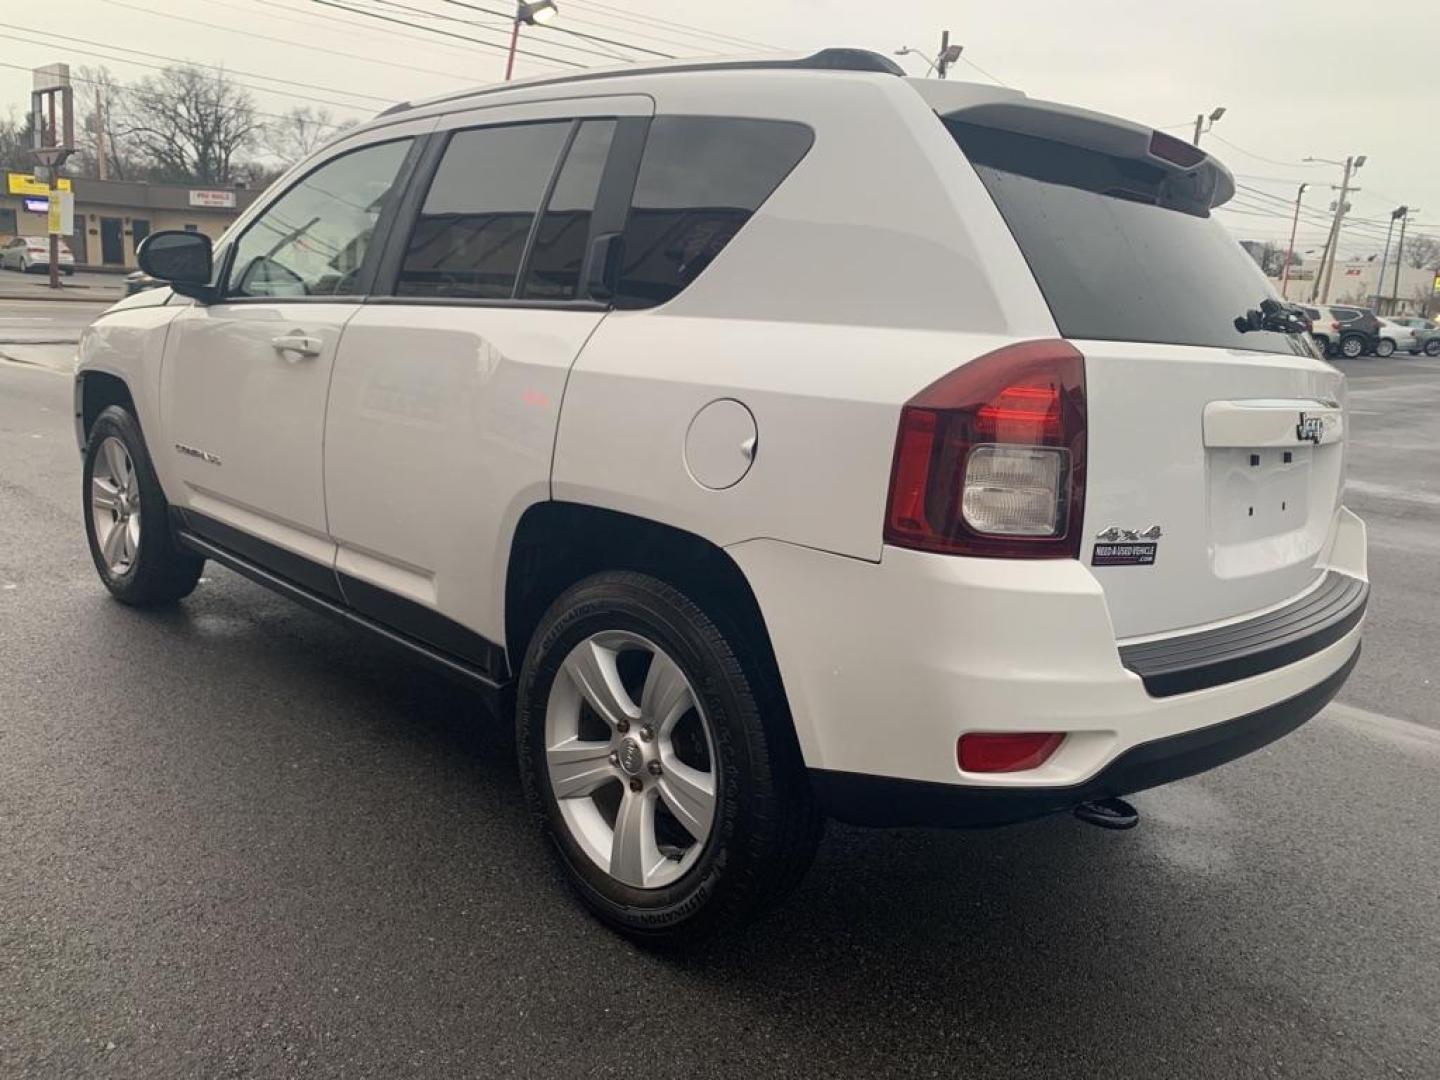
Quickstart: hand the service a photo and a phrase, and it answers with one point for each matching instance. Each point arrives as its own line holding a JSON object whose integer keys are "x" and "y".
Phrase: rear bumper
{"x": 885, "y": 801}
{"x": 885, "y": 665}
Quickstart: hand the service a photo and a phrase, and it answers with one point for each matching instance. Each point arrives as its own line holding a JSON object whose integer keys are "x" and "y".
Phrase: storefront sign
{"x": 217, "y": 200}
{"x": 34, "y": 205}
{"x": 25, "y": 184}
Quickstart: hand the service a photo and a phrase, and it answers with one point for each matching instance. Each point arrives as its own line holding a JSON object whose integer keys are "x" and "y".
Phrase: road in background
{"x": 83, "y": 286}
{"x": 43, "y": 332}
{"x": 238, "y": 840}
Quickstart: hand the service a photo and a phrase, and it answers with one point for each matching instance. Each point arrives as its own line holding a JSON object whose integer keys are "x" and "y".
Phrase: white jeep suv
{"x": 779, "y": 439}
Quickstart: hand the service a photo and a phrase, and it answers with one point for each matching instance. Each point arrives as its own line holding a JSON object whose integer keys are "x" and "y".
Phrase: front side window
{"x": 470, "y": 236}
{"x": 701, "y": 178}
{"x": 312, "y": 241}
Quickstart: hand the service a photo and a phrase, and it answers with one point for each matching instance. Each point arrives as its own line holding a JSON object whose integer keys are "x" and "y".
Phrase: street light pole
{"x": 1215, "y": 114}
{"x": 531, "y": 14}
{"x": 1384, "y": 257}
{"x": 1405, "y": 212}
{"x": 1290, "y": 248}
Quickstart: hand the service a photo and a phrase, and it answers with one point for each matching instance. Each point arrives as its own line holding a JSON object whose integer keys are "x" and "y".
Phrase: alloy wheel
{"x": 631, "y": 759}
{"x": 115, "y": 506}
{"x": 1352, "y": 347}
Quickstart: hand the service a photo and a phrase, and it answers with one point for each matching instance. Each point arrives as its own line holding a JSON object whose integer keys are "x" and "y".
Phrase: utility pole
{"x": 1351, "y": 164}
{"x": 1405, "y": 212}
{"x": 102, "y": 168}
{"x": 1290, "y": 248}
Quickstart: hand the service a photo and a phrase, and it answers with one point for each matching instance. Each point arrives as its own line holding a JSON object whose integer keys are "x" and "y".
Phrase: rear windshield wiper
{"x": 1273, "y": 315}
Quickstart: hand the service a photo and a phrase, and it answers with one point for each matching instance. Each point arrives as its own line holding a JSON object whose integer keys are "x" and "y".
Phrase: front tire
{"x": 127, "y": 518}
{"x": 1384, "y": 347}
{"x": 677, "y": 803}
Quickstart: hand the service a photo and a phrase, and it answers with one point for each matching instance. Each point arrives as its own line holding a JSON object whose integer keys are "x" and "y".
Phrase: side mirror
{"x": 181, "y": 259}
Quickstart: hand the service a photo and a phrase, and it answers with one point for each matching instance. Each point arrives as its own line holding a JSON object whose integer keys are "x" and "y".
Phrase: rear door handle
{"x": 301, "y": 345}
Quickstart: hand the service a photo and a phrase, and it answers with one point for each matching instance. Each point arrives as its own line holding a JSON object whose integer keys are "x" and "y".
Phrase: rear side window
{"x": 470, "y": 236}
{"x": 1112, "y": 262}
{"x": 560, "y": 242}
{"x": 1345, "y": 314}
{"x": 700, "y": 180}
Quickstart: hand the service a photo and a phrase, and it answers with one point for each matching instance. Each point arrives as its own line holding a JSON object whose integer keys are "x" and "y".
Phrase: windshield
{"x": 1113, "y": 265}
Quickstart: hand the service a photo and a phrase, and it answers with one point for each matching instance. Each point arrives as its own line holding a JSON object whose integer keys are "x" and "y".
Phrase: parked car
{"x": 1428, "y": 341}
{"x": 1406, "y": 336}
{"x": 139, "y": 281}
{"x": 863, "y": 502}
{"x": 32, "y": 253}
{"x": 1345, "y": 331}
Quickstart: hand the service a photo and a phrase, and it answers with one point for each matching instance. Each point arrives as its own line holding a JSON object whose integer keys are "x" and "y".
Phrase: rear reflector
{"x": 1009, "y": 752}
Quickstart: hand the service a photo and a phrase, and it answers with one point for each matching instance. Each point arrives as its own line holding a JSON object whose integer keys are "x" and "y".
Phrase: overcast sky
{"x": 1321, "y": 78}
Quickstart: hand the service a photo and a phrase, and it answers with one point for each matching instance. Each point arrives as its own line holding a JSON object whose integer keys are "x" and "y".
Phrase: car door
{"x": 447, "y": 391}
{"x": 244, "y": 379}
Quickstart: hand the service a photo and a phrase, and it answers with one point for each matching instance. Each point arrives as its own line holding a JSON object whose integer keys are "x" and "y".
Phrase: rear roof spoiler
{"x": 1206, "y": 181}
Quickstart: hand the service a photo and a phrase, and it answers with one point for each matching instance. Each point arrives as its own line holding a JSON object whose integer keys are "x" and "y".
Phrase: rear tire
{"x": 1352, "y": 346}
{"x": 1432, "y": 348}
{"x": 127, "y": 518}
{"x": 1384, "y": 347}
{"x": 759, "y": 822}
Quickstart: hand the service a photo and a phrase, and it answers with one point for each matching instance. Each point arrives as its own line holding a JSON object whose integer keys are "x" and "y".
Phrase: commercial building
{"x": 113, "y": 216}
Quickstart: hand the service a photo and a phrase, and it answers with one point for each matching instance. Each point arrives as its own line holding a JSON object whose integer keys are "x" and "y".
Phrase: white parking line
{"x": 1392, "y": 729}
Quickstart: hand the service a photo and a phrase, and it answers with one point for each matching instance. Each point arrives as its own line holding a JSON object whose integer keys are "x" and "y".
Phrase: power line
{"x": 162, "y": 67}
{"x": 633, "y": 16}
{"x": 1262, "y": 157}
{"x": 394, "y": 5}
{"x": 443, "y": 33}
{"x": 308, "y": 46}
{"x": 177, "y": 60}
{"x": 572, "y": 33}
{"x": 329, "y": 20}
{"x": 966, "y": 60}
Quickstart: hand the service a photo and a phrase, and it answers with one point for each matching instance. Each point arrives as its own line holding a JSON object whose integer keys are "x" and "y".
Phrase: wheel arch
{"x": 557, "y": 544}
{"x": 96, "y": 391}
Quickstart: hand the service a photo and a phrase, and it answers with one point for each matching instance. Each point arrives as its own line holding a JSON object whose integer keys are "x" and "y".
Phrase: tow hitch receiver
{"x": 1112, "y": 813}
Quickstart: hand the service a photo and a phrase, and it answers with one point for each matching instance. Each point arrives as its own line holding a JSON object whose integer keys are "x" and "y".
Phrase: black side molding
{"x": 1318, "y": 619}
{"x": 863, "y": 799}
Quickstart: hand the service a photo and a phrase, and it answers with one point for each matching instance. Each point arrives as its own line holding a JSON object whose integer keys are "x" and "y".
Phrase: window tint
{"x": 700, "y": 180}
{"x": 312, "y": 241}
{"x": 1114, "y": 260}
{"x": 1345, "y": 314}
{"x": 561, "y": 239}
{"x": 471, "y": 232}
{"x": 1311, "y": 313}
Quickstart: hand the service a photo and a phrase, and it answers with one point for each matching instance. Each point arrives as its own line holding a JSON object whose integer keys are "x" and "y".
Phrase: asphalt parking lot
{"x": 238, "y": 841}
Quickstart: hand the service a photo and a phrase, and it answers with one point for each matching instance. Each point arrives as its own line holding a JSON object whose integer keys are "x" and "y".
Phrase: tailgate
{"x": 1237, "y": 457}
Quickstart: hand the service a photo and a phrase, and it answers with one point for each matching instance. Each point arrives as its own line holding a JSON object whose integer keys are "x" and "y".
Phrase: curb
{"x": 48, "y": 295}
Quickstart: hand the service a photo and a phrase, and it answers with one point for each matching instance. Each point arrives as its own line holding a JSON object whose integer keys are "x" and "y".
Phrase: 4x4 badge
{"x": 1125, "y": 547}
{"x": 1310, "y": 429}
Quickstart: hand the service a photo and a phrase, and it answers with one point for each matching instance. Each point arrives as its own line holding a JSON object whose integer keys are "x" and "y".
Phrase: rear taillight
{"x": 990, "y": 459}
{"x": 1006, "y": 752}
{"x": 1335, "y": 326}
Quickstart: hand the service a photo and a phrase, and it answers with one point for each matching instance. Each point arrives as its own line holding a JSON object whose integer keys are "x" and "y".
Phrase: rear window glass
{"x": 1112, "y": 264}
{"x": 700, "y": 180}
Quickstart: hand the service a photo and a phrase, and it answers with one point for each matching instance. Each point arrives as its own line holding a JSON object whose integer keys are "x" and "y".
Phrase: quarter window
{"x": 312, "y": 241}
{"x": 561, "y": 240}
{"x": 701, "y": 178}
{"x": 470, "y": 236}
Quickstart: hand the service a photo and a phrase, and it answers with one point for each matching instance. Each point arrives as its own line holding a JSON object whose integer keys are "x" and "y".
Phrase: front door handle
{"x": 300, "y": 345}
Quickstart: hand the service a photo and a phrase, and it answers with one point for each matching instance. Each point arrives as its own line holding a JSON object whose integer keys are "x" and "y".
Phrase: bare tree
{"x": 15, "y": 144}
{"x": 299, "y": 133}
{"x": 188, "y": 125}
{"x": 100, "y": 101}
{"x": 1271, "y": 257}
{"x": 1422, "y": 252}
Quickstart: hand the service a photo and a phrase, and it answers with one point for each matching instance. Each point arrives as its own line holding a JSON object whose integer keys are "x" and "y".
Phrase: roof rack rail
{"x": 824, "y": 60}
